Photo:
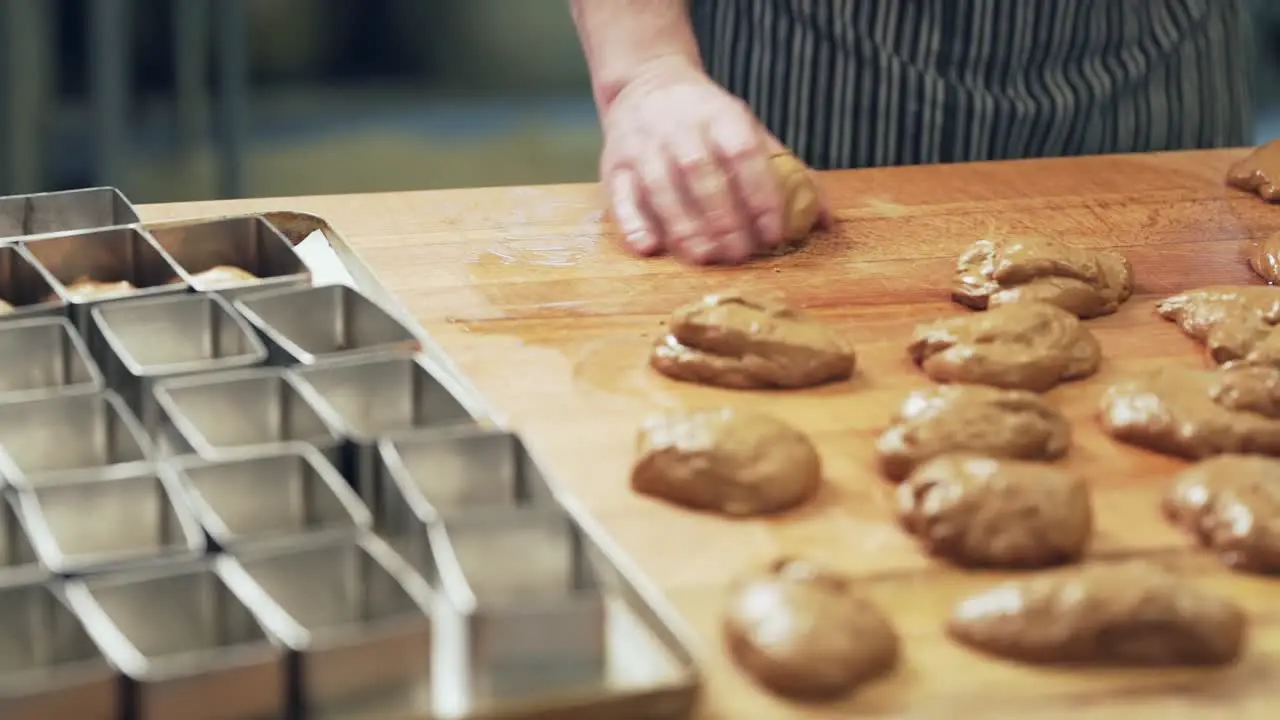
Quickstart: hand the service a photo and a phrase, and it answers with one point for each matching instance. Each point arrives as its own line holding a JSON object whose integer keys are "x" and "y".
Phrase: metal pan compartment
{"x": 24, "y": 290}
{"x": 426, "y": 476}
{"x": 371, "y": 397}
{"x": 216, "y": 414}
{"x": 103, "y": 265}
{"x": 189, "y": 644}
{"x": 519, "y": 615}
{"x": 49, "y": 666}
{"x": 270, "y": 495}
{"x": 303, "y": 326}
{"x": 55, "y": 439}
{"x": 64, "y": 212}
{"x": 139, "y": 342}
{"x": 207, "y": 251}
{"x": 18, "y": 562}
{"x": 44, "y": 356}
{"x": 357, "y": 616}
{"x": 107, "y": 521}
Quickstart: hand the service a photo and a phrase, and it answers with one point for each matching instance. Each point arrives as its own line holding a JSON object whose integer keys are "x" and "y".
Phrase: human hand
{"x": 687, "y": 169}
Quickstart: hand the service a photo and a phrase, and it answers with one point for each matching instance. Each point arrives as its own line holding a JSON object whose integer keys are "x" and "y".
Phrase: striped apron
{"x": 854, "y": 83}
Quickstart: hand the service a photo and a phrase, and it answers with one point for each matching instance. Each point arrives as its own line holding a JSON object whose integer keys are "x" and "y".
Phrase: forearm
{"x": 622, "y": 37}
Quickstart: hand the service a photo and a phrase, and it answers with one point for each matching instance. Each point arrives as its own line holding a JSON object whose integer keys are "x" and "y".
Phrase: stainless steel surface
{"x": 270, "y": 495}
{"x": 249, "y": 243}
{"x": 24, "y": 288}
{"x": 56, "y": 439}
{"x": 43, "y": 356}
{"x": 306, "y": 325}
{"x": 107, "y": 521}
{"x": 216, "y": 413}
{"x": 114, "y": 255}
{"x": 139, "y": 342}
{"x": 426, "y": 476}
{"x": 189, "y": 643}
{"x": 519, "y": 614}
{"x": 18, "y": 563}
{"x": 64, "y": 212}
{"x": 49, "y": 667}
{"x": 358, "y": 616}
{"x": 369, "y": 397}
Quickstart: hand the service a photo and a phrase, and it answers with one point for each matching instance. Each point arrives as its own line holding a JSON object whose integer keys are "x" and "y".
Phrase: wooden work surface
{"x": 530, "y": 293}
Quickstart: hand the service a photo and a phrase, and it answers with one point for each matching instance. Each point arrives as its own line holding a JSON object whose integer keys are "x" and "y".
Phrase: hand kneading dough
{"x": 1131, "y": 614}
{"x": 987, "y": 512}
{"x": 801, "y": 205}
{"x": 725, "y": 461}
{"x": 734, "y": 341}
{"x": 804, "y": 633}
{"x": 1231, "y": 505}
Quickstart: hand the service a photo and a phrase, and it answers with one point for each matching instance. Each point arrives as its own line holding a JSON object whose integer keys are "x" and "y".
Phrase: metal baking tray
{"x": 49, "y": 666}
{"x": 519, "y": 615}
{"x": 187, "y": 641}
{"x": 371, "y": 397}
{"x": 357, "y": 617}
{"x": 303, "y": 326}
{"x": 44, "y": 356}
{"x": 114, "y": 255}
{"x": 269, "y": 495}
{"x": 109, "y": 520}
{"x": 648, "y": 670}
{"x": 18, "y": 563}
{"x": 64, "y": 212}
{"x": 139, "y": 342}
{"x": 63, "y": 437}
{"x": 211, "y": 415}
{"x": 427, "y": 476}
{"x": 249, "y": 243}
{"x": 24, "y": 289}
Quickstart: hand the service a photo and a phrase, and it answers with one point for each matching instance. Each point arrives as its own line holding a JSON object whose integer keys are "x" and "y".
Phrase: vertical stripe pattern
{"x": 852, "y": 83}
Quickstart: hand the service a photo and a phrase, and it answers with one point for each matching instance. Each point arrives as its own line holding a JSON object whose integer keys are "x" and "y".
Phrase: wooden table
{"x": 530, "y": 292}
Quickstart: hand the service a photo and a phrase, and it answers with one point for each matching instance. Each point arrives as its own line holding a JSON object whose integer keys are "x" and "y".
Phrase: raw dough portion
{"x": 725, "y": 461}
{"x": 1264, "y": 258}
{"x": 221, "y": 276}
{"x": 734, "y": 341}
{"x": 972, "y": 419}
{"x": 1259, "y": 172}
{"x": 1231, "y": 320}
{"x": 87, "y": 289}
{"x": 1022, "y": 346}
{"x": 1087, "y": 283}
{"x": 1115, "y": 614}
{"x": 1248, "y": 388}
{"x": 5, "y": 308}
{"x": 986, "y": 512}
{"x": 804, "y": 633}
{"x": 801, "y": 199}
{"x": 1174, "y": 411}
{"x": 1231, "y": 504}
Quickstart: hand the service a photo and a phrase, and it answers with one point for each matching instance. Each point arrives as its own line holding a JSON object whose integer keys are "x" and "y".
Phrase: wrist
{"x": 626, "y": 41}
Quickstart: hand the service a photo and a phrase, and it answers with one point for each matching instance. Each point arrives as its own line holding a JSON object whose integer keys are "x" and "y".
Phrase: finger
{"x": 709, "y": 195}
{"x": 662, "y": 193}
{"x": 741, "y": 150}
{"x": 637, "y": 228}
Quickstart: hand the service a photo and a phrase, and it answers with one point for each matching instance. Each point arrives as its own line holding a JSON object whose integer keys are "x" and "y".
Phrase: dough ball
{"x": 802, "y": 204}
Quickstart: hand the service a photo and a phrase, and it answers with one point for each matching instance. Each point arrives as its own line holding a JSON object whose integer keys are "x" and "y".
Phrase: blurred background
{"x": 188, "y": 99}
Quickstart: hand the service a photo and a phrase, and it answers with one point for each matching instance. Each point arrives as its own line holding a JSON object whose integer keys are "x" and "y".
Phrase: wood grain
{"x": 530, "y": 293}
